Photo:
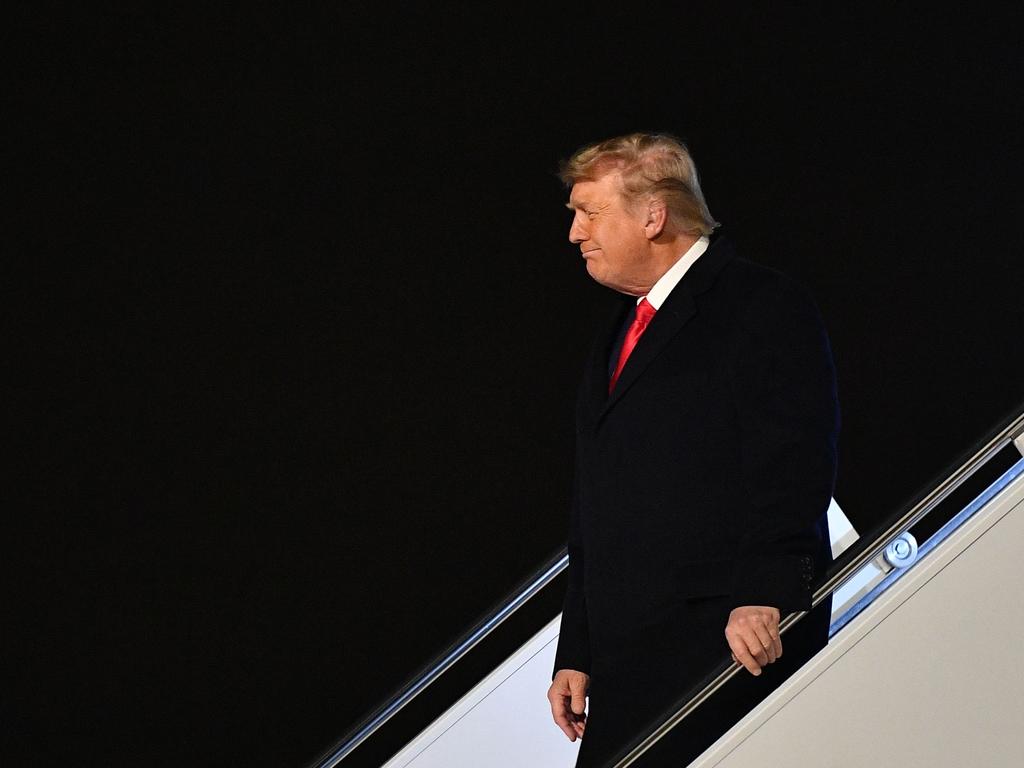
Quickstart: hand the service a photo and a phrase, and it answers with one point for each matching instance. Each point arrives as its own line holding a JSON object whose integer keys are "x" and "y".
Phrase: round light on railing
{"x": 902, "y": 551}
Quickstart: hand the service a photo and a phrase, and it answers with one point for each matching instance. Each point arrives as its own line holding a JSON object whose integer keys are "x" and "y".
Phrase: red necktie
{"x": 644, "y": 313}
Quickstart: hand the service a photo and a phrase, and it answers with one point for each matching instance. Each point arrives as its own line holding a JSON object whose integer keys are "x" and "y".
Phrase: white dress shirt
{"x": 661, "y": 289}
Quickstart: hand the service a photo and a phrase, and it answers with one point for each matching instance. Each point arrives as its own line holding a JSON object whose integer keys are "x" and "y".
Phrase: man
{"x": 706, "y": 453}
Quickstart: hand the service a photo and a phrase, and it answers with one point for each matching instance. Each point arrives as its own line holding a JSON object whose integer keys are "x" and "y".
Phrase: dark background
{"x": 296, "y": 327}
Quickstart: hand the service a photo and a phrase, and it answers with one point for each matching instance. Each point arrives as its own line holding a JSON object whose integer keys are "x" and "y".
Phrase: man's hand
{"x": 567, "y": 696}
{"x": 753, "y": 635}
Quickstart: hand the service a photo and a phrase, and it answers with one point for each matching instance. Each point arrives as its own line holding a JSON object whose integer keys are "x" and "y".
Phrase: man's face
{"x": 610, "y": 234}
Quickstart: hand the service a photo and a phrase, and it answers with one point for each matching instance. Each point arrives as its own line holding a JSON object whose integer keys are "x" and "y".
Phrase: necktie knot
{"x": 644, "y": 312}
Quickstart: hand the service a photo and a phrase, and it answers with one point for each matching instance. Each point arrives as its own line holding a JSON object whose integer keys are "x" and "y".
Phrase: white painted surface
{"x": 840, "y": 530}
{"x": 863, "y": 581}
{"x": 927, "y": 675}
{"x": 504, "y": 722}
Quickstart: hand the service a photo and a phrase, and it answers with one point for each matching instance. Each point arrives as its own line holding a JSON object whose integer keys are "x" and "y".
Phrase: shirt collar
{"x": 661, "y": 289}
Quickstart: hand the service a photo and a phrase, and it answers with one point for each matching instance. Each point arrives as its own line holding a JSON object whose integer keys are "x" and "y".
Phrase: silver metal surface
{"x": 882, "y": 563}
{"x": 838, "y": 622}
{"x": 902, "y": 551}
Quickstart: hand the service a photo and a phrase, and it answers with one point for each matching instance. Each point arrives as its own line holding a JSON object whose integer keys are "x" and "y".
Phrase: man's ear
{"x": 657, "y": 218}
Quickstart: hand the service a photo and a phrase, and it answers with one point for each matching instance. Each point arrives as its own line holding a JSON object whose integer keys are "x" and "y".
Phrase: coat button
{"x": 807, "y": 564}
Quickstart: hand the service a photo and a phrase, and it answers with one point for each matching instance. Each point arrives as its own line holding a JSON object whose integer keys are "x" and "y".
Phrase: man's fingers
{"x": 764, "y": 638}
{"x": 579, "y": 700}
{"x": 776, "y": 641}
{"x": 772, "y": 622}
{"x": 749, "y": 638}
{"x": 579, "y": 724}
{"x": 742, "y": 654}
{"x": 559, "y": 700}
{"x": 753, "y": 635}
{"x": 567, "y": 696}
{"x": 561, "y": 714}
{"x": 757, "y": 649}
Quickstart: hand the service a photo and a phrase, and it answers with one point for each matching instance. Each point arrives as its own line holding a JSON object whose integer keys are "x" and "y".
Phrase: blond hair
{"x": 651, "y": 165}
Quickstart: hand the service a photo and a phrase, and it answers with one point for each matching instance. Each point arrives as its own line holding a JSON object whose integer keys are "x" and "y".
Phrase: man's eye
{"x": 590, "y": 214}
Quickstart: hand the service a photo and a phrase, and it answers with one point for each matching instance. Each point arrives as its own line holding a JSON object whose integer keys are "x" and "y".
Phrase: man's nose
{"x": 576, "y": 233}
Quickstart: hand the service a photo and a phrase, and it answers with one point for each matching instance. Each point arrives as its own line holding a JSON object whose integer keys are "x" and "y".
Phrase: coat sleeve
{"x": 787, "y": 408}
{"x": 573, "y": 651}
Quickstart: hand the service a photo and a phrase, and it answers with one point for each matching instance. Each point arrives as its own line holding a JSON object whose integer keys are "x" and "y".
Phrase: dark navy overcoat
{"x": 701, "y": 484}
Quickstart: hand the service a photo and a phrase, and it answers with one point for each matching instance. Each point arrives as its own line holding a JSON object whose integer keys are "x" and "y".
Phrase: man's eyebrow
{"x": 573, "y": 205}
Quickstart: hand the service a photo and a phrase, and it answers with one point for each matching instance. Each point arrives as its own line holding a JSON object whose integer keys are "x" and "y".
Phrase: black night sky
{"x": 296, "y": 325}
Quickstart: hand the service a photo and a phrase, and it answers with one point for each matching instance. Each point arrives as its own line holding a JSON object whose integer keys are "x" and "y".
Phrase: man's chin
{"x": 600, "y": 277}
{"x": 595, "y": 272}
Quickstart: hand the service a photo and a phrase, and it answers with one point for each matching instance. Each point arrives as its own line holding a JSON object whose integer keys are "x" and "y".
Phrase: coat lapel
{"x": 678, "y": 309}
{"x": 666, "y": 324}
{"x": 597, "y": 375}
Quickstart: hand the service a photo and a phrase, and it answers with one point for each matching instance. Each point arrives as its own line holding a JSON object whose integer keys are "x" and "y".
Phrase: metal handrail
{"x": 1011, "y": 434}
{"x": 464, "y": 645}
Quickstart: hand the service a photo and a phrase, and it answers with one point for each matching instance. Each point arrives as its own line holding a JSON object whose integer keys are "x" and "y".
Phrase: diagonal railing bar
{"x": 519, "y": 597}
{"x": 1012, "y": 433}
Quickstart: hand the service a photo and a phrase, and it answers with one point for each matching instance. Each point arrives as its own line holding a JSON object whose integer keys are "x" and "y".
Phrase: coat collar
{"x": 677, "y": 310}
